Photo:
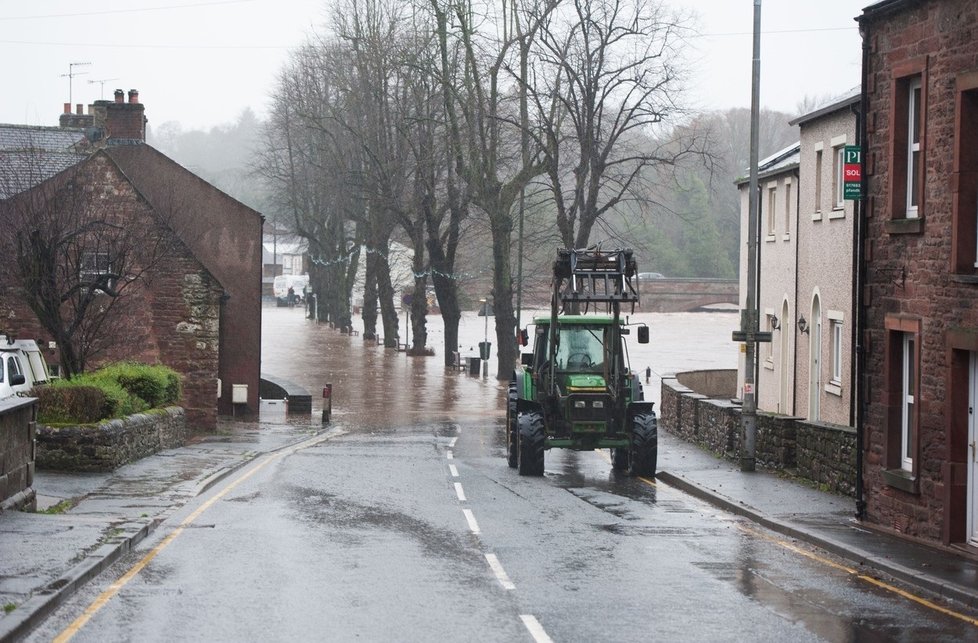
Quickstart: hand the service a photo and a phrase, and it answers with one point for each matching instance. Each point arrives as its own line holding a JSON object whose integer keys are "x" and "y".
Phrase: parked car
{"x": 22, "y": 366}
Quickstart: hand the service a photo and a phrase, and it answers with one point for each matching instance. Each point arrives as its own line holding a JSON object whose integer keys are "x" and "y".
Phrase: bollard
{"x": 648, "y": 374}
{"x": 327, "y": 402}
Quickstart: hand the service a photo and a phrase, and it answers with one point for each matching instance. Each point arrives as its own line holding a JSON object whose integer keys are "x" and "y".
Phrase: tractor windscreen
{"x": 581, "y": 348}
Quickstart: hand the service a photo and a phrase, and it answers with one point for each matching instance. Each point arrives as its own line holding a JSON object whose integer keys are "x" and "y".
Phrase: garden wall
{"x": 17, "y": 427}
{"x": 822, "y": 453}
{"x": 111, "y": 443}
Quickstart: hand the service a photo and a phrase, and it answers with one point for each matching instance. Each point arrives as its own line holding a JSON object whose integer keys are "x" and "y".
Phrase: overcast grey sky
{"x": 201, "y": 63}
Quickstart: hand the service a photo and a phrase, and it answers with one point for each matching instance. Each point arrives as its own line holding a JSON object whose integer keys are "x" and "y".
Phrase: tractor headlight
{"x": 598, "y": 404}
{"x": 579, "y": 404}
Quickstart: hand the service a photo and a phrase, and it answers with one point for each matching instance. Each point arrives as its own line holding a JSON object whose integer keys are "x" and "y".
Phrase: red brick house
{"x": 199, "y": 312}
{"x": 920, "y": 294}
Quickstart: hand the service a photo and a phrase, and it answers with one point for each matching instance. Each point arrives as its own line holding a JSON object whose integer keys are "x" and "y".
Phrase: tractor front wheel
{"x": 511, "y": 429}
{"x": 530, "y": 438}
{"x": 644, "y": 450}
{"x": 619, "y": 458}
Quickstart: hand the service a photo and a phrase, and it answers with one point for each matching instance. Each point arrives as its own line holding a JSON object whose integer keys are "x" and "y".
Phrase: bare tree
{"x": 485, "y": 146}
{"x": 608, "y": 86}
{"x": 80, "y": 251}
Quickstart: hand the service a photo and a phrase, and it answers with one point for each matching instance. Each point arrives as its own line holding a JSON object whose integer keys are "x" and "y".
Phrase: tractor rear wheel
{"x": 530, "y": 440}
{"x": 644, "y": 451}
{"x": 511, "y": 426}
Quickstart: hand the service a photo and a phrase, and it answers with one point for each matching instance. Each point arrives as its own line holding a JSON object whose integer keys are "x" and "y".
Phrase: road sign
{"x": 852, "y": 173}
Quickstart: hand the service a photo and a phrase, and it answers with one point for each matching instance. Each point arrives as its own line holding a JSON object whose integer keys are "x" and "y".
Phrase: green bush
{"x": 64, "y": 403}
{"x": 156, "y": 385}
{"x": 117, "y": 390}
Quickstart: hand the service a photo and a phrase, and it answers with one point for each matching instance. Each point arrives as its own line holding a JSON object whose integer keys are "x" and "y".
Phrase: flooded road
{"x": 374, "y": 386}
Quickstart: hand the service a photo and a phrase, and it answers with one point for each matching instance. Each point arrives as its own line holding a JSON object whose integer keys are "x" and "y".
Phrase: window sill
{"x": 817, "y": 216}
{"x": 768, "y": 365}
{"x": 837, "y": 213}
{"x": 900, "y": 479}
{"x": 905, "y": 226}
{"x": 834, "y": 388}
{"x": 786, "y": 237}
{"x": 964, "y": 279}
{"x": 771, "y": 238}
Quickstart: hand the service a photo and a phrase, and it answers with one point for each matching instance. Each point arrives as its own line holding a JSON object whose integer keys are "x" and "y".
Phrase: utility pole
{"x": 748, "y": 332}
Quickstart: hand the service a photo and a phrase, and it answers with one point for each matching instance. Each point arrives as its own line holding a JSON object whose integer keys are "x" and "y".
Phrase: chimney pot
{"x": 67, "y": 108}
{"x": 79, "y": 109}
{"x": 133, "y": 96}
{"x": 119, "y": 95}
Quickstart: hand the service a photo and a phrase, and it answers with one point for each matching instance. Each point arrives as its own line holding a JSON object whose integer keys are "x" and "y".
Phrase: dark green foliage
{"x": 65, "y": 403}
{"x": 155, "y": 385}
{"x": 117, "y": 390}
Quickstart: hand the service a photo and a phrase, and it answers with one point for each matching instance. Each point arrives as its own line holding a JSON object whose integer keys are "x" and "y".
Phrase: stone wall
{"x": 17, "y": 428}
{"x": 821, "y": 453}
{"x": 111, "y": 443}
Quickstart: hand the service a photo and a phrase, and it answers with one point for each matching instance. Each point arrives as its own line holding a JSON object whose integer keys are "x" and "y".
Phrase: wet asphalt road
{"x": 404, "y": 523}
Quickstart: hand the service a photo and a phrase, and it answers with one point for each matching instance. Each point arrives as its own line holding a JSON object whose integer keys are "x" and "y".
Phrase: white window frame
{"x": 838, "y": 189}
{"x": 818, "y": 181}
{"x": 914, "y": 94}
{"x": 787, "y": 210}
{"x": 87, "y": 272}
{"x": 907, "y": 400}
{"x": 772, "y": 199}
{"x": 836, "y": 331}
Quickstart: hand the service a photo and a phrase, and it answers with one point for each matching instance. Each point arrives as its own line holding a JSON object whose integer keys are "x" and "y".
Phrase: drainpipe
{"x": 858, "y": 401}
{"x": 794, "y": 324}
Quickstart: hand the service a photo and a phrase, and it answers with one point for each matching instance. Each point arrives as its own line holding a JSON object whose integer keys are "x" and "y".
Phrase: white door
{"x": 815, "y": 380}
{"x": 784, "y": 336}
{"x": 972, "y": 458}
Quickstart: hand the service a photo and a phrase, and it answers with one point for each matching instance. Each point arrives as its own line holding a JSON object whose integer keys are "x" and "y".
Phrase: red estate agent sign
{"x": 852, "y": 173}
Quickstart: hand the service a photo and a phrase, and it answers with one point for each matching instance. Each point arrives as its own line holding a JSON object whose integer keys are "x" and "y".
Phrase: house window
{"x": 913, "y": 148}
{"x": 908, "y": 389}
{"x": 771, "y": 200}
{"x": 836, "y": 340}
{"x": 818, "y": 181}
{"x": 964, "y": 210}
{"x": 901, "y": 442}
{"x": 838, "y": 162}
{"x": 908, "y": 148}
{"x": 93, "y": 268}
{"x": 787, "y": 210}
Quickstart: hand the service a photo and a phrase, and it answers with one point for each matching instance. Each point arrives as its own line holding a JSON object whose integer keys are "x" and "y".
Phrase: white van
{"x": 281, "y": 285}
{"x": 22, "y": 366}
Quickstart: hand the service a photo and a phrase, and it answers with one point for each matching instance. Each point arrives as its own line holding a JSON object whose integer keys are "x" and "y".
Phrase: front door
{"x": 972, "y": 459}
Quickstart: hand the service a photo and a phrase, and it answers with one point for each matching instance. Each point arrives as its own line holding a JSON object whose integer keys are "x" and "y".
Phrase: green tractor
{"x": 575, "y": 390}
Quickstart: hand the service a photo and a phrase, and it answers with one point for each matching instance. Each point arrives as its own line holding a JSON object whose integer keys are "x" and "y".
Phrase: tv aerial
{"x": 101, "y": 82}
{"x": 71, "y": 75}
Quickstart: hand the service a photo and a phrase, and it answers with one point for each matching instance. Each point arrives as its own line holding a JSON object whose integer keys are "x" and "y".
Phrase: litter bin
{"x": 484, "y": 348}
{"x": 474, "y": 365}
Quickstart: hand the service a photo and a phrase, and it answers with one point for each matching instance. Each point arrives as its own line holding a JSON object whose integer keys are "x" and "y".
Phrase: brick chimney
{"x": 77, "y": 120}
{"x": 123, "y": 123}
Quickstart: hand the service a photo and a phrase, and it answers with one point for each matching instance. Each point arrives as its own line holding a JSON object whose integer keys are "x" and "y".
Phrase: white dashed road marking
{"x": 536, "y": 630}
{"x": 454, "y": 470}
{"x": 459, "y": 492}
{"x": 500, "y": 573}
{"x": 470, "y": 518}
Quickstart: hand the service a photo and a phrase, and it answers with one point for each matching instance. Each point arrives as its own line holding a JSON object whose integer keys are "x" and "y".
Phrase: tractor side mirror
{"x": 643, "y": 334}
{"x": 524, "y": 337}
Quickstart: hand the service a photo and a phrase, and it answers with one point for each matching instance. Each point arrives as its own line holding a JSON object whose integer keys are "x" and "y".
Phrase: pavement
{"x": 97, "y": 518}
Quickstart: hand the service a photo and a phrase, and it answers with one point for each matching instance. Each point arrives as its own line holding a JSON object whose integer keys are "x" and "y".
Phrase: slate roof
{"x": 30, "y": 155}
{"x": 779, "y": 162}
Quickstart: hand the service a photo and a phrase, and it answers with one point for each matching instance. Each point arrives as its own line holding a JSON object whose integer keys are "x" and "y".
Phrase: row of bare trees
{"x": 409, "y": 119}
